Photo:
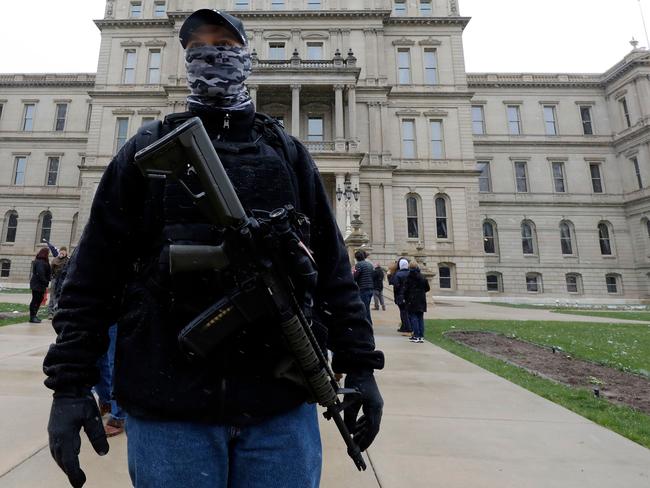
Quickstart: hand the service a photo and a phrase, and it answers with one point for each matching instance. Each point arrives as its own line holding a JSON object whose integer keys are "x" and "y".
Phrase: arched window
{"x": 566, "y": 237}
{"x": 412, "y": 217}
{"x": 11, "y": 226}
{"x": 494, "y": 281}
{"x": 73, "y": 231}
{"x": 490, "y": 241}
{"x": 614, "y": 284}
{"x": 528, "y": 238}
{"x": 5, "y": 268}
{"x": 44, "y": 227}
{"x": 604, "y": 239}
{"x": 442, "y": 223}
{"x": 573, "y": 283}
{"x": 534, "y": 282}
{"x": 446, "y": 273}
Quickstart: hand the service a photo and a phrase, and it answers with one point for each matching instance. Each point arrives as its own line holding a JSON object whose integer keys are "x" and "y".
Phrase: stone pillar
{"x": 258, "y": 43}
{"x": 295, "y": 40}
{"x": 295, "y": 111}
{"x": 352, "y": 112}
{"x": 338, "y": 113}
{"x": 371, "y": 54}
{"x": 340, "y": 205}
{"x": 334, "y": 41}
{"x": 375, "y": 212}
{"x": 389, "y": 229}
{"x": 345, "y": 42}
{"x": 252, "y": 91}
{"x": 374, "y": 143}
{"x": 385, "y": 127}
{"x": 381, "y": 73}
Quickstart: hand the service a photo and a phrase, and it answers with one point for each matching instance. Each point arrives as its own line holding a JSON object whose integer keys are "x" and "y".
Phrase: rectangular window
{"x": 587, "y": 125}
{"x": 1, "y": 107}
{"x": 404, "y": 66}
{"x": 241, "y": 4}
{"x": 559, "y": 183}
{"x": 28, "y": 117}
{"x": 626, "y": 112}
{"x": 478, "y": 120}
{"x": 155, "y": 59}
{"x": 549, "y": 120}
{"x": 514, "y": 120}
{"x": 408, "y": 139}
{"x": 5, "y": 270}
{"x": 159, "y": 9}
{"x": 129, "y": 67}
{"x": 315, "y": 129}
{"x": 313, "y": 4}
{"x": 532, "y": 283}
{"x": 136, "y": 10}
{"x": 52, "y": 170}
{"x": 19, "y": 170}
{"x": 276, "y": 51}
{"x": 437, "y": 145}
{"x": 412, "y": 221}
{"x": 637, "y": 172}
{"x": 445, "y": 277}
{"x": 493, "y": 282}
{"x": 596, "y": 178}
{"x": 572, "y": 284}
{"x": 612, "y": 284}
{"x": 315, "y": 50}
{"x": 61, "y": 113}
{"x": 425, "y": 8}
{"x": 430, "y": 66}
{"x": 521, "y": 174}
{"x": 399, "y": 8}
{"x": 484, "y": 179}
{"x": 121, "y": 132}
{"x": 277, "y": 4}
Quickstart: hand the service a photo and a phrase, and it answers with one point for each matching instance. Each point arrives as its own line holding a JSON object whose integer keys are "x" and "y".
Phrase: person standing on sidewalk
{"x": 57, "y": 265}
{"x": 397, "y": 280}
{"x": 104, "y": 389}
{"x": 40, "y": 279}
{"x": 414, "y": 293}
{"x": 378, "y": 287}
{"x": 363, "y": 277}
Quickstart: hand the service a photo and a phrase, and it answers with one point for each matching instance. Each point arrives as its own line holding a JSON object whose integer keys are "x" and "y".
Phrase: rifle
{"x": 254, "y": 249}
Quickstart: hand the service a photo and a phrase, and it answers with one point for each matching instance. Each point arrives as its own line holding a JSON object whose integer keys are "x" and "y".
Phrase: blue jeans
{"x": 105, "y": 386}
{"x": 366, "y": 296}
{"x": 417, "y": 323}
{"x": 281, "y": 452}
{"x": 404, "y": 317}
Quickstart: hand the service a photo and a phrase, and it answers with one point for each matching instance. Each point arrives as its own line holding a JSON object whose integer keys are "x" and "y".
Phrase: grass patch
{"x": 16, "y": 290}
{"x": 638, "y": 315}
{"x": 10, "y": 307}
{"x": 577, "y": 339}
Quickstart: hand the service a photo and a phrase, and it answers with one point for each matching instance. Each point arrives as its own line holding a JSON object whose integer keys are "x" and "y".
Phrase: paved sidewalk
{"x": 447, "y": 423}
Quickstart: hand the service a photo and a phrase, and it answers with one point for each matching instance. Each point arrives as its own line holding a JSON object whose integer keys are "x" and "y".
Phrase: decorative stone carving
{"x": 130, "y": 43}
{"x": 155, "y": 43}
{"x": 109, "y": 9}
{"x": 453, "y": 8}
{"x": 403, "y": 42}
{"x": 429, "y": 41}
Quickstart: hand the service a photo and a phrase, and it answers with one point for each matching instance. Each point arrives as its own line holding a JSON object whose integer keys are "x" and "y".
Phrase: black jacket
{"x": 397, "y": 280}
{"x": 378, "y": 278}
{"x": 153, "y": 378}
{"x": 415, "y": 291}
{"x": 41, "y": 275}
{"x": 363, "y": 275}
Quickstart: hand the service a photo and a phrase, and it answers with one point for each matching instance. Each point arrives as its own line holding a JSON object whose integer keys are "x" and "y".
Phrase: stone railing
{"x": 296, "y": 62}
{"x": 550, "y": 79}
{"x": 320, "y": 146}
{"x": 47, "y": 79}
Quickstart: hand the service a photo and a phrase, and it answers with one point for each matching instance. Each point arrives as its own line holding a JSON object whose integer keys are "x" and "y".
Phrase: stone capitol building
{"x": 500, "y": 185}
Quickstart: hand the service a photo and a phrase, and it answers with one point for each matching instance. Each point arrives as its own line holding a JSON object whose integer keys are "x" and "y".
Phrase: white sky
{"x": 504, "y": 35}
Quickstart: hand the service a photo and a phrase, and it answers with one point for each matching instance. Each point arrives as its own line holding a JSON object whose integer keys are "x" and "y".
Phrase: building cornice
{"x": 461, "y": 21}
{"x": 47, "y": 79}
{"x": 543, "y": 80}
{"x": 133, "y": 23}
{"x": 290, "y": 14}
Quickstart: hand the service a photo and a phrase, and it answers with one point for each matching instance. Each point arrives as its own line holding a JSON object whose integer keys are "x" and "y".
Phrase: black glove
{"x": 365, "y": 429}
{"x": 69, "y": 413}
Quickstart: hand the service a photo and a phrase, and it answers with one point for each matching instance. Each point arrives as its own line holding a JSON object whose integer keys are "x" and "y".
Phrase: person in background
{"x": 57, "y": 264}
{"x": 363, "y": 274}
{"x": 397, "y": 280}
{"x": 38, "y": 283}
{"x": 378, "y": 287}
{"x": 414, "y": 294}
{"x": 104, "y": 389}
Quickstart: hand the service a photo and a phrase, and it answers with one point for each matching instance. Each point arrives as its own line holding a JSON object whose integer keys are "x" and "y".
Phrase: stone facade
{"x": 378, "y": 92}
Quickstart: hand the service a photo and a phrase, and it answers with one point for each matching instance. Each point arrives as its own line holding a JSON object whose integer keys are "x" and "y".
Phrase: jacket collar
{"x": 226, "y": 124}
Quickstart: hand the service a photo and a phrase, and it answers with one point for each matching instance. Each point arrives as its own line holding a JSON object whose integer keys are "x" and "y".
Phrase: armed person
{"x": 210, "y": 366}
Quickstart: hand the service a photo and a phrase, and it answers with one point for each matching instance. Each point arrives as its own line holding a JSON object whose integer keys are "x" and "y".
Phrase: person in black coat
{"x": 40, "y": 280}
{"x": 378, "y": 287}
{"x": 414, "y": 294}
{"x": 397, "y": 280}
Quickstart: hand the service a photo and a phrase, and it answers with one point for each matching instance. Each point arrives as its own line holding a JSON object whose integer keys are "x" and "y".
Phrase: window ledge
{"x": 570, "y": 256}
{"x": 608, "y": 256}
{"x": 531, "y": 256}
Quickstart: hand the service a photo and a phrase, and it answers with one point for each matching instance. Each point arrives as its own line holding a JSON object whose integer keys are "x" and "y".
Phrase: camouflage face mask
{"x": 216, "y": 75}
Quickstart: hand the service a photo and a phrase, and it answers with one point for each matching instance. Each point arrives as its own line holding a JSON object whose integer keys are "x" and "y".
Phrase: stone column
{"x": 371, "y": 54}
{"x": 389, "y": 229}
{"x": 339, "y": 128}
{"x": 252, "y": 91}
{"x": 382, "y": 68}
{"x": 295, "y": 111}
{"x": 374, "y": 135}
{"x": 295, "y": 39}
{"x": 340, "y": 205}
{"x": 334, "y": 42}
{"x": 345, "y": 42}
{"x": 385, "y": 126}
{"x": 352, "y": 112}
{"x": 375, "y": 212}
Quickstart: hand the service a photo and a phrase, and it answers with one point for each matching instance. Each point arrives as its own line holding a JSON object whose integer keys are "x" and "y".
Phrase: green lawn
{"x": 10, "y": 307}
{"x": 636, "y": 315}
{"x": 16, "y": 290}
{"x": 623, "y": 346}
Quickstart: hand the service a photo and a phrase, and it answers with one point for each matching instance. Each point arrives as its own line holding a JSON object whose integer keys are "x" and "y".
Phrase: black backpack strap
{"x": 148, "y": 134}
{"x": 272, "y": 130}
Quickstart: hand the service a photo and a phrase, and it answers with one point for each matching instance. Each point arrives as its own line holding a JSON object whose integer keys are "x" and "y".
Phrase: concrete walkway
{"x": 447, "y": 423}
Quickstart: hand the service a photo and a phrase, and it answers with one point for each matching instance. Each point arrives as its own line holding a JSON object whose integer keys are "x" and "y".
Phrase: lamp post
{"x": 348, "y": 193}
